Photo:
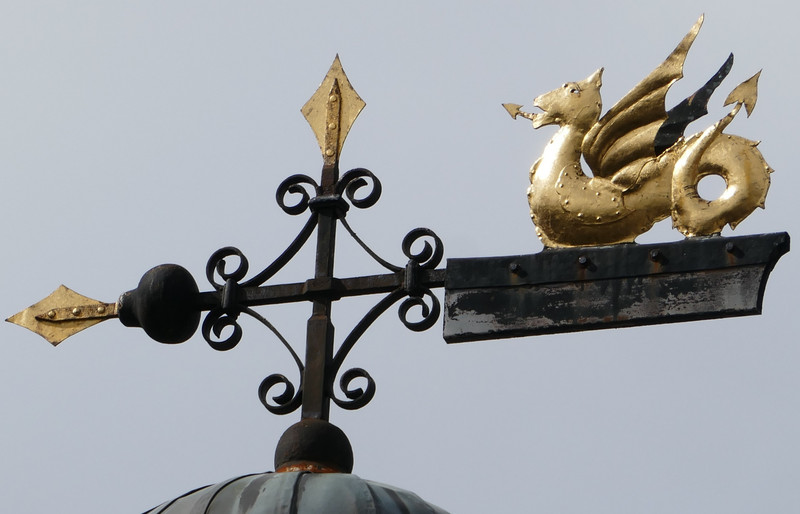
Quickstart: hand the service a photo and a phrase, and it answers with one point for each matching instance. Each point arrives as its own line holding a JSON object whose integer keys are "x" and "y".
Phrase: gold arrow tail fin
{"x": 745, "y": 93}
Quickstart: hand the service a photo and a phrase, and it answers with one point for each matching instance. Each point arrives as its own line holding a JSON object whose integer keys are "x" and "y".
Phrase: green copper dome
{"x": 297, "y": 492}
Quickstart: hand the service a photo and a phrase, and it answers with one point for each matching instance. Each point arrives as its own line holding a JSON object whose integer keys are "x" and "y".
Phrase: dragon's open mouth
{"x": 540, "y": 119}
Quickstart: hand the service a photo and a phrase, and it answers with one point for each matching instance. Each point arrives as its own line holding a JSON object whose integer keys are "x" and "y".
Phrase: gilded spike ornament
{"x": 62, "y": 314}
{"x": 643, "y": 167}
{"x": 331, "y": 111}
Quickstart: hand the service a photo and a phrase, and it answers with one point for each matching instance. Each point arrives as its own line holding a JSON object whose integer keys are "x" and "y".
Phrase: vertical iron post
{"x": 319, "y": 334}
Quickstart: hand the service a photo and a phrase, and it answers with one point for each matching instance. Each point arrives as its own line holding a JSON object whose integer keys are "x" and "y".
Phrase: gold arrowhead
{"x": 513, "y": 109}
{"x": 331, "y": 111}
{"x": 62, "y": 314}
{"x": 745, "y": 93}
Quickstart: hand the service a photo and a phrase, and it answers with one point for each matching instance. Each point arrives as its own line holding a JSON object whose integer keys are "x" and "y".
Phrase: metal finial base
{"x": 315, "y": 446}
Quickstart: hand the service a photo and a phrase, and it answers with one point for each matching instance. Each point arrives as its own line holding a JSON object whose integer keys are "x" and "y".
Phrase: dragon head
{"x": 574, "y": 103}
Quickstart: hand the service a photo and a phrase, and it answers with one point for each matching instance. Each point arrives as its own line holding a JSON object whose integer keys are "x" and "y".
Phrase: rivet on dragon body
{"x": 643, "y": 167}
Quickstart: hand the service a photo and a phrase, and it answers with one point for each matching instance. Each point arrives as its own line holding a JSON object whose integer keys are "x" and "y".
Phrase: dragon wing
{"x": 627, "y": 132}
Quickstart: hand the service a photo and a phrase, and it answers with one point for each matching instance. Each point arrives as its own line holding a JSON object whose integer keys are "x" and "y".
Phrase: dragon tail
{"x": 735, "y": 159}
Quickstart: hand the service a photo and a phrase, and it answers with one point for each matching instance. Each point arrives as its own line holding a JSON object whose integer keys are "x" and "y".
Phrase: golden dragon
{"x": 643, "y": 168}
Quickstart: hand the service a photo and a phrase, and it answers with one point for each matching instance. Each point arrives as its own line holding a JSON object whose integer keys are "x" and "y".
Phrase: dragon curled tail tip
{"x": 745, "y": 94}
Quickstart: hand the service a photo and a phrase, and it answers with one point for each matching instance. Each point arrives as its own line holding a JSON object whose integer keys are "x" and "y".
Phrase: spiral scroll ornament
{"x": 427, "y": 258}
{"x": 225, "y": 318}
{"x": 430, "y": 255}
{"x": 215, "y": 323}
{"x": 217, "y": 266}
{"x": 295, "y": 185}
{"x": 429, "y": 313}
{"x": 357, "y": 397}
{"x": 354, "y": 180}
{"x": 284, "y": 403}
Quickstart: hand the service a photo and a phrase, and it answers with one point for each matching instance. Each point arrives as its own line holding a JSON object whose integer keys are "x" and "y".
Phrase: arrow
{"x": 513, "y": 109}
{"x": 745, "y": 93}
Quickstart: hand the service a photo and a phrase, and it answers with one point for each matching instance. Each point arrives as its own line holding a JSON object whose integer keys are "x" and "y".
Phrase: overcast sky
{"x": 139, "y": 133}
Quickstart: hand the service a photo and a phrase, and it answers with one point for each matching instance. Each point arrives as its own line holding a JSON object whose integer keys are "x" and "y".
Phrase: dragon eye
{"x": 575, "y": 91}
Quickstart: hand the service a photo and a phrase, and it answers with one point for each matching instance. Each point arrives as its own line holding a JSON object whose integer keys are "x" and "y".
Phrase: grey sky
{"x": 140, "y": 133}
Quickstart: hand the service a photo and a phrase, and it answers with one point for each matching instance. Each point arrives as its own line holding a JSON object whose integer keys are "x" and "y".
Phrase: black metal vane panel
{"x": 572, "y": 289}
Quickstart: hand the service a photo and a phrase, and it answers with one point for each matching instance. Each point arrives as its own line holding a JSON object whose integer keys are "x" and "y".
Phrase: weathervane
{"x": 644, "y": 171}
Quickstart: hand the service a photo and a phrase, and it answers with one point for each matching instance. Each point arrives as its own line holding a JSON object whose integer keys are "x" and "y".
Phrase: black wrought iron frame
{"x": 327, "y": 204}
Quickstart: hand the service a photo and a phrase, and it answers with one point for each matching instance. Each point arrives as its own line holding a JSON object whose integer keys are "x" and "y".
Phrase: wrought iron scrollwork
{"x": 216, "y": 321}
{"x": 217, "y": 265}
{"x": 430, "y": 255}
{"x": 167, "y": 304}
{"x": 227, "y": 268}
{"x": 353, "y": 181}
{"x": 286, "y": 402}
{"x": 415, "y": 292}
{"x": 427, "y": 258}
{"x": 290, "y": 399}
{"x": 294, "y": 185}
{"x": 226, "y": 316}
{"x": 430, "y": 313}
{"x": 356, "y": 397}
{"x": 349, "y": 184}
